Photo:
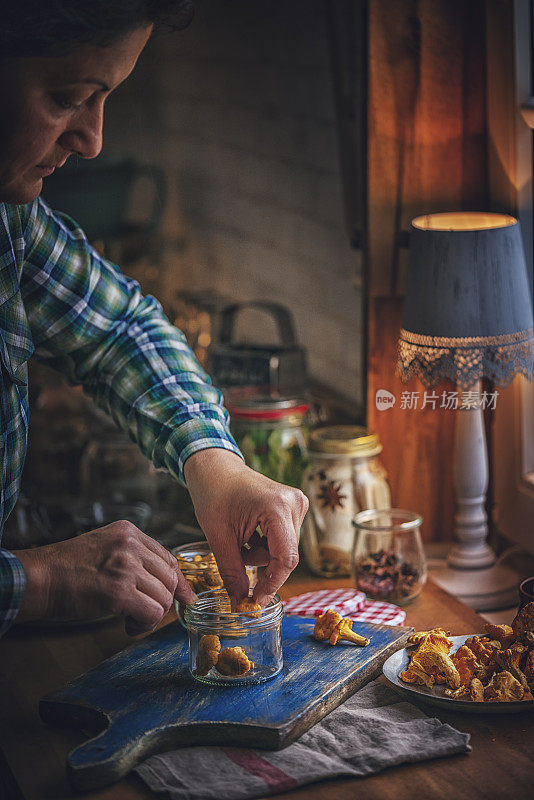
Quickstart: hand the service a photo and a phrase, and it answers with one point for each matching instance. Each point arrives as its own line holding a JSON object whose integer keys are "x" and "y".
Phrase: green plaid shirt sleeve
{"x": 12, "y": 584}
{"x": 60, "y": 299}
{"x": 93, "y": 324}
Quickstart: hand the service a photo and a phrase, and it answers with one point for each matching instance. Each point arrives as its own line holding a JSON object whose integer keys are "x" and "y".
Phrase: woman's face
{"x": 52, "y": 107}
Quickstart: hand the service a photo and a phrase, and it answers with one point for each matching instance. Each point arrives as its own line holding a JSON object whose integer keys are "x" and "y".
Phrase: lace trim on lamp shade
{"x": 465, "y": 360}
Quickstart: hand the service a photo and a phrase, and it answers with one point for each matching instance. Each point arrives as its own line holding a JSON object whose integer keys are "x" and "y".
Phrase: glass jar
{"x": 388, "y": 558}
{"x": 344, "y": 477}
{"x": 233, "y": 648}
{"x": 199, "y": 568}
{"x": 96, "y": 515}
{"x": 271, "y": 432}
{"x": 114, "y": 469}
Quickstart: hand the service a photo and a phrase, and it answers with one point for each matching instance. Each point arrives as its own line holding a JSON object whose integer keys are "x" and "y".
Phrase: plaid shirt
{"x": 60, "y": 300}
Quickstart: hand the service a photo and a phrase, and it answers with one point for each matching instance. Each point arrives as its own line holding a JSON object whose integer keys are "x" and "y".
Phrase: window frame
{"x": 511, "y": 166}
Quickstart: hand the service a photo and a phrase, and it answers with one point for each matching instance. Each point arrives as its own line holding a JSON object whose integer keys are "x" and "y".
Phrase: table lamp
{"x": 468, "y": 316}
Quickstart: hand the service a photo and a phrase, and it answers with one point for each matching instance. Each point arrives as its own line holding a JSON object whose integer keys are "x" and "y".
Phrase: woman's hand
{"x": 116, "y": 570}
{"x": 230, "y": 501}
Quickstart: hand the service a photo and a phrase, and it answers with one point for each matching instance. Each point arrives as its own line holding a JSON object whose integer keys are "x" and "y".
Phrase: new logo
{"x": 384, "y": 399}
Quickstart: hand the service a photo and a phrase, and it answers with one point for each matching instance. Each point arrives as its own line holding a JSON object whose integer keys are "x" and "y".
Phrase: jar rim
{"x": 196, "y": 548}
{"x": 345, "y": 440}
{"x": 199, "y": 613}
{"x": 200, "y": 548}
{"x": 250, "y": 402}
{"x": 401, "y": 519}
{"x": 267, "y": 415}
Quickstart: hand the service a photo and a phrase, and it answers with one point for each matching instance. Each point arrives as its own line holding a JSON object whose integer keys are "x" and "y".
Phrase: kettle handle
{"x": 281, "y": 315}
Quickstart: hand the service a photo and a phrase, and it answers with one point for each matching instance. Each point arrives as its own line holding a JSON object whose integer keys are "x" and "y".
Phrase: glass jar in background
{"x": 344, "y": 477}
{"x": 97, "y": 514}
{"x": 172, "y": 507}
{"x": 388, "y": 560}
{"x": 271, "y": 432}
{"x": 114, "y": 470}
{"x": 198, "y": 566}
{"x": 233, "y": 648}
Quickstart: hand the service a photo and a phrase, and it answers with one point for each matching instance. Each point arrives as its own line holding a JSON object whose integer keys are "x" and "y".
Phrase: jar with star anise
{"x": 344, "y": 477}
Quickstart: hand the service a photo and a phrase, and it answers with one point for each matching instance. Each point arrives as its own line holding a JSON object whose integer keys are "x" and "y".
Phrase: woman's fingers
{"x": 155, "y": 590}
{"x": 160, "y": 563}
{"x": 230, "y": 501}
{"x": 157, "y": 549}
{"x": 153, "y": 596}
{"x": 143, "y": 612}
{"x": 231, "y": 567}
{"x": 283, "y": 558}
{"x": 256, "y": 557}
{"x": 116, "y": 569}
{"x": 281, "y": 529}
{"x": 151, "y": 601}
{"x": 183, "y": 591}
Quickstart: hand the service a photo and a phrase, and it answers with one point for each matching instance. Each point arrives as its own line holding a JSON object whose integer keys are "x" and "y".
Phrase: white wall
{"x": 239, "y": 111}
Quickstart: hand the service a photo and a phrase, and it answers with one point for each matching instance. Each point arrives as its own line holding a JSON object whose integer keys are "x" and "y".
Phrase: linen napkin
{"x": 370, "y": 731}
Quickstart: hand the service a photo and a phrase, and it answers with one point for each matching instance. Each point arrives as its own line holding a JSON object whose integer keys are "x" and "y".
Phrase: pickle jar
{"x": 344, "y": 477}
{"x": 199, "y": 567}
{"x": 271, "y": 432}
{"x": 388, "y": 560}
{"x": 233, "y": 648}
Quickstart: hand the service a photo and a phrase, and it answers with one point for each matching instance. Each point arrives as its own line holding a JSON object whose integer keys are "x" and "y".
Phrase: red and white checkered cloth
{"x": 311, "y": 604}
{"x": 347, "y": 602}
{"x": 380, "y": 613}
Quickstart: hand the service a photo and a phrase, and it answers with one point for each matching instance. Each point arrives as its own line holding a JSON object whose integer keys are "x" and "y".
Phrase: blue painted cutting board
{"x": 143, "y": 700}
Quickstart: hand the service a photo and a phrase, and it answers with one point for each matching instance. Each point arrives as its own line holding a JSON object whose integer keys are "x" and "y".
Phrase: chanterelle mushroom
{"x": 503, "y": 687}
{"x": 431, "y": 660}
{"x": 334, "y": 627}
{"x": 249, "y": 606}
{"x": 510, "y": 660}
{"x": 419, "y": 636}
{"x": 476, "y": 691}
{"x": 465, "y": 662}
{"x": 209, "y": 648}
{"x": 234, "y": 662}
{"x": 344, "y": 632}
{"x": 528, "y": 668}
{"x": 325, "y": 624}
{"x": 501, "y": 633}
{"x": 523, "y": 625}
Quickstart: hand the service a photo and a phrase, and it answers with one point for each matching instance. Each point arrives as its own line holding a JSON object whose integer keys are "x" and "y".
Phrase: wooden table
{"x": 35, "y": 661}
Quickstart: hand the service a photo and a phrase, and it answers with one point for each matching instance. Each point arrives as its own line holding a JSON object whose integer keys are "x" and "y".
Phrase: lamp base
{"x": 480, "y": 589}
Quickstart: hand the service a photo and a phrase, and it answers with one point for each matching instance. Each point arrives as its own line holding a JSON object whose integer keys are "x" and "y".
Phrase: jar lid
{"x": 251, "y": 403}
{"x": 350, "y": 440}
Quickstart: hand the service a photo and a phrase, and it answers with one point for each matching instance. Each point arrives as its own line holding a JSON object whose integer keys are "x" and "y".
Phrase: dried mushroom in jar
{"x": 233, "y": 662}
{"x": 208, "y": 652}
{"x": 201, "y": 572}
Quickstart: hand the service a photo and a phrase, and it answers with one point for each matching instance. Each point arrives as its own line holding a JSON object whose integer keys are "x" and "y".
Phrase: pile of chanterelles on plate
{"x": 498, "y": 666}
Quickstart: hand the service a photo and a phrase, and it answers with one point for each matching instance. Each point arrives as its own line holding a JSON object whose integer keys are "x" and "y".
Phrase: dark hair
{"x": 56, "y": 27}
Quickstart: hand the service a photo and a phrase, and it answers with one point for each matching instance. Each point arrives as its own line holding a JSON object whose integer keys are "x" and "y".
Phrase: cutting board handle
{"x": 119, "y": 744}
{"x": 110, "y": 755}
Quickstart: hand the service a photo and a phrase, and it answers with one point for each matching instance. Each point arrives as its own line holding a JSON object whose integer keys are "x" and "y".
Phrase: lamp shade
{"x": 468, "y": 311}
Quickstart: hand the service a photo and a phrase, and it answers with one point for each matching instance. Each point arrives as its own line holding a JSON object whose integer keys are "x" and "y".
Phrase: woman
{"x": 61, "y": 301}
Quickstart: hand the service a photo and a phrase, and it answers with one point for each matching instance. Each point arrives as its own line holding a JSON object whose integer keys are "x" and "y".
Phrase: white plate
{"x": 436, "y": 696}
